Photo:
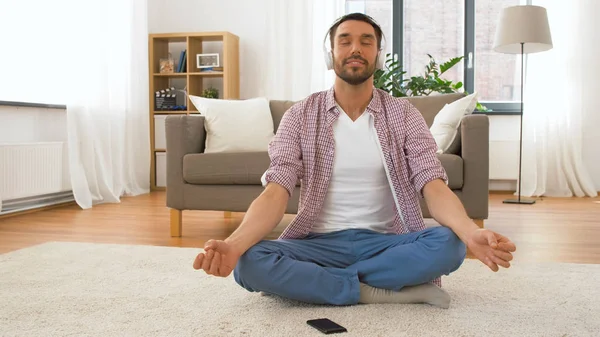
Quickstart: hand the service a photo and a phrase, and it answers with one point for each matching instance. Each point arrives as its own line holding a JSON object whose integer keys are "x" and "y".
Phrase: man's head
{"x": 355, "y": 43}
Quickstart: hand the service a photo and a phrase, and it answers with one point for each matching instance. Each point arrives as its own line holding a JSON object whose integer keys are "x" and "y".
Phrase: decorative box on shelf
{"x": 169, "y": 100}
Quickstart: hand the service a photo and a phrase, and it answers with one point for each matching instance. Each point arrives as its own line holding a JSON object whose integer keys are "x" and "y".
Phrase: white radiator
{"x": 33, "y": 169}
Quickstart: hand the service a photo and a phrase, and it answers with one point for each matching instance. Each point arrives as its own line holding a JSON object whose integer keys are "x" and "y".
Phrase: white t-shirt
{"x": 360, "y": 193}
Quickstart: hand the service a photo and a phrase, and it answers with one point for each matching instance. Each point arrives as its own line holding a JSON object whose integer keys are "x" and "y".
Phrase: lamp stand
{"x": 519, "y": 200}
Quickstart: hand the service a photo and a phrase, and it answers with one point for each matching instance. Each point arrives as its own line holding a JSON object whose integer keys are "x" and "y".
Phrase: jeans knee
{"x": 248, "y": 267}
{"x": 453, "y": 249}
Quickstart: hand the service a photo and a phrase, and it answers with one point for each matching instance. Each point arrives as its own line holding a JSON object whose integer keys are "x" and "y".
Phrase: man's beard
{"x": 354, "y": 77}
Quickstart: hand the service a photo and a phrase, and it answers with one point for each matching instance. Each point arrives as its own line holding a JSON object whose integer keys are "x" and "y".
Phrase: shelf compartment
{"x": 171, "y": 75}
{"x": 162, "y": 47}
{"x": 208, "y": 74}
{"x": 170, "y": 112}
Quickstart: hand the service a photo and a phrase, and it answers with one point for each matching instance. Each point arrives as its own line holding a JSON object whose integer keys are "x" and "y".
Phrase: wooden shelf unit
{"x": 171, "y": 44}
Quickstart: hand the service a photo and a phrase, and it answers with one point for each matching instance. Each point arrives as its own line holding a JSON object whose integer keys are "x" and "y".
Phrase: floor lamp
{"x": 522, "y": 30}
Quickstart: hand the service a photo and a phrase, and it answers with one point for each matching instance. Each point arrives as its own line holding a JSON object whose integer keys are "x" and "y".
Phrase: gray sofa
{"x": 231, "y": 181}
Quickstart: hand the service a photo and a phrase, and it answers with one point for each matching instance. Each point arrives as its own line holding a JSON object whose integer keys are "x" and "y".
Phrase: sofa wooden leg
{"x": 227, "y": 214}
{"x": 176, "y": 222}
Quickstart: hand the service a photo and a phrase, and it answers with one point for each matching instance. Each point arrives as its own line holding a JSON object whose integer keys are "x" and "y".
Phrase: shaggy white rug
{"x": 59, "y": 289}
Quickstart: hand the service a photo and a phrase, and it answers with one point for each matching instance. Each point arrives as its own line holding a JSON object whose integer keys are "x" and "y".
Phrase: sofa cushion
{"x": 278, "y": 108}
{"x": 247, "y": 168}
{"x": 446, "y": 123}
{"x": 234, "y": 126}
{"x": 429, "y": 106}
{"x": 243, "y": 168}
{"x": 456, "y": 146}
{"x": 453, "y": 165}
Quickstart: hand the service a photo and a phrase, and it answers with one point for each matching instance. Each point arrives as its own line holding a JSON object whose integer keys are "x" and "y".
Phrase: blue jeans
{"x": 327, "y": 268}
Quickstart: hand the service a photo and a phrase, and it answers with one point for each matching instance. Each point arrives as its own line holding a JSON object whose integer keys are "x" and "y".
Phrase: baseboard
{"x": 508, "y": 186}
{"x": 33, "y": 210}
{"x": 30, "y": 204}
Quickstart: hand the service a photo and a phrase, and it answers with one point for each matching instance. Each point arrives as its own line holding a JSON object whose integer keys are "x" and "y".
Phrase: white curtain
{"x": 554, "y": 100}
{"x": 92, "y": 56}
{"x": 107, "y": 108}
{"x": 295, "y": 61}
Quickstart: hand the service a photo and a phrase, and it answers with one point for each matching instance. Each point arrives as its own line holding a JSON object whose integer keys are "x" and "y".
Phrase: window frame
{"x": 504, "y": 108}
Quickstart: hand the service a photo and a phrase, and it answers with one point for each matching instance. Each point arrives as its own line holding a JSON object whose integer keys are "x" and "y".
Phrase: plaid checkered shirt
{"x": 303, "y": 149}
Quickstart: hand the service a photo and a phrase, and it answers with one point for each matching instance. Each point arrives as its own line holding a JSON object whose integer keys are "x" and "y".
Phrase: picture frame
{"x": 207, "y": 61}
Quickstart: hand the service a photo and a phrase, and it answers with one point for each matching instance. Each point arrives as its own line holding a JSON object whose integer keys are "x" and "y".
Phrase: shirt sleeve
{"x": 420, "y": 149}
{"x": 285, "y": 152}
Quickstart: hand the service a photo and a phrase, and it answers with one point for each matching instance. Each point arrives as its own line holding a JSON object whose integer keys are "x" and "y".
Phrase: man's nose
{"x": 356, "y": 48}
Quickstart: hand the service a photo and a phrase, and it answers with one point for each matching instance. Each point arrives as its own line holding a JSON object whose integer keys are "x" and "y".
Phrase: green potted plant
{"x": 210, "y": 93}
{"x": 392, "y": 79}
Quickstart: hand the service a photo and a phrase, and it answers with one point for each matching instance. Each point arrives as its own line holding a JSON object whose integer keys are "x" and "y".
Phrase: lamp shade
{"x": 523, "y": 24}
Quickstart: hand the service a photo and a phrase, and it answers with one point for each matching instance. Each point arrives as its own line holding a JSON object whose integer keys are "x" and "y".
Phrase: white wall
{"x": 26, "y": 125}
{"x": 504, "y": 152}
{"x": 246, "y": 19}
{"x": 504, "y": 148}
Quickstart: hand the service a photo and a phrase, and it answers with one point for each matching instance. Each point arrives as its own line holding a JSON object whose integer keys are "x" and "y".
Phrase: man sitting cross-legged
{"x": 364, "y": 158}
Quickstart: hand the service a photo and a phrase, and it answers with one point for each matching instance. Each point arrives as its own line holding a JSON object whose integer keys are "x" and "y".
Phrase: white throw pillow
{"x": 445, "y": 124}
{"x": 235, "y": 125}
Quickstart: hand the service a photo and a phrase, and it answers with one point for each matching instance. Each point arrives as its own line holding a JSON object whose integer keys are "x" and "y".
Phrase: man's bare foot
{"x": 422, "y": 293}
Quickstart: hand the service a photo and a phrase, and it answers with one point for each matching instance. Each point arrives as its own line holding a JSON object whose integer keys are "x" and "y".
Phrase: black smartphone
{"x": 326, "y": 326}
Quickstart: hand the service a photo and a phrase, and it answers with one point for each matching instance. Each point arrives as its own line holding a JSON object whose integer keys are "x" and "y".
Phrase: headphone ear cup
{"x": 380, "y": 61}
{"x": 328, "y": 60}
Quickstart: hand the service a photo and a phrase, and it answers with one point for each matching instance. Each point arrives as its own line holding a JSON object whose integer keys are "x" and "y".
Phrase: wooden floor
{"x": 563, "y": 230}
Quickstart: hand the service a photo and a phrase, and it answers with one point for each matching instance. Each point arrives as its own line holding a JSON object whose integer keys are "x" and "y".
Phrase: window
{"x": 497, "y": 77}
{"x": 434, "y": 27}
{"x": 447, "y": 29}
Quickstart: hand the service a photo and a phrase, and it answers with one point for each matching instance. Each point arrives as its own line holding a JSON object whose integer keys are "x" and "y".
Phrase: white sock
{"x": 422, "y": 293}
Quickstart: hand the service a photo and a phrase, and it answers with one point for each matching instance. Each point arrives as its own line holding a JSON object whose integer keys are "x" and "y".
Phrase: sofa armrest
{"x": 184, "y": 134}
{"x": 475, "y": 133}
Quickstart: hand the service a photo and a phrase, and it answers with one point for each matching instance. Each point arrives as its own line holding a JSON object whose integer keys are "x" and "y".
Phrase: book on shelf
{"x": 182, "y": 66}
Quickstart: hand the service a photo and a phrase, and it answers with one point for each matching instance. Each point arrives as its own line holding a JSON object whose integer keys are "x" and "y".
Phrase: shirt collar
{"x": 374, "y": 106}
{"x": 330, "y": 100}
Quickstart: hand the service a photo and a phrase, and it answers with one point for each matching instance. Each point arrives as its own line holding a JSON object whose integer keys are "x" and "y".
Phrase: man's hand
{"x": 491, "y": 248}
{"x": 219, "y": 258}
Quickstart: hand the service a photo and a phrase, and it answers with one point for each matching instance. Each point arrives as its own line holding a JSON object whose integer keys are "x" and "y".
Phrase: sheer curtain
{"x": 107, "y": 108}
{"x": 92, "y": 56}
{"x": 295, "y": 33}
{"x": 324, "y": 14}
{"x": 554, "y": 100}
